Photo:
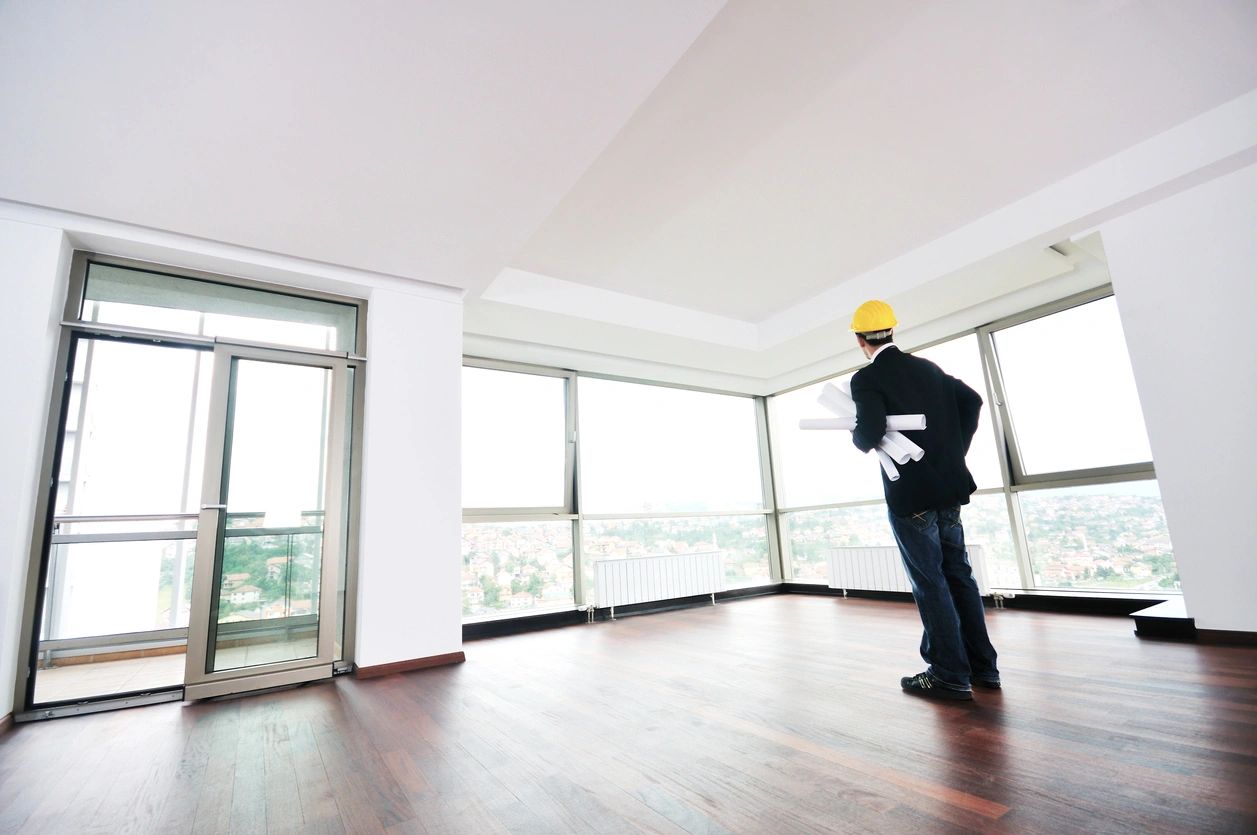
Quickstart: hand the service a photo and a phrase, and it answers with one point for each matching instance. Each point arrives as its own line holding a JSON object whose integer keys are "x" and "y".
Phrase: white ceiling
{"x": 701, "y": 189}
{"x": 787, "y": 152}
{"x": 421, "y": 139}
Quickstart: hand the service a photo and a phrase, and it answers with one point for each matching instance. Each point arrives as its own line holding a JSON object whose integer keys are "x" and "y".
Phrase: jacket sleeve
{"x": 870, "y": 415}
{"x": 969, "y": 405}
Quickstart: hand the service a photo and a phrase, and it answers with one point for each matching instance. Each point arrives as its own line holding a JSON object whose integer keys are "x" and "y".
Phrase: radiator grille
{"x": 881, "y": 569}
{"x": 620, "y": 582}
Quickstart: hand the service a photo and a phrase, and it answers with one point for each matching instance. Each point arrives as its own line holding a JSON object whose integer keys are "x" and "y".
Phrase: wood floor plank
{"x": 776, "y": 714}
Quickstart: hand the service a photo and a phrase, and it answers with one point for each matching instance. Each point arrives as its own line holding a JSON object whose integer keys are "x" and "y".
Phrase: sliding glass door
{"x": 271, "y": 523}
{"x": 196, "y": 536}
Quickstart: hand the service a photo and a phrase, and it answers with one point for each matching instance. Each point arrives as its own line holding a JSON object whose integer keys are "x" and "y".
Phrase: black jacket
{"x": 896, "y": 383}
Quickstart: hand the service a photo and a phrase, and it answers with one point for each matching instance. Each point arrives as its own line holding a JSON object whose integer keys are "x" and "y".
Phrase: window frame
{"x": 1015, "y": 480}
{"x": 538, "y": 513}
{"x": 1018, "y": 478}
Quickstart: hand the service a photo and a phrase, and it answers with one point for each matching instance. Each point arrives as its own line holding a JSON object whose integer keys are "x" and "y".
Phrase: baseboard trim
{"x": 825, "y": 591}
{"x": 6, "y": 723}
{"x": 376, "y": 670}
{"x": 1226, "y": 637}
{"x": 528, "y": 623}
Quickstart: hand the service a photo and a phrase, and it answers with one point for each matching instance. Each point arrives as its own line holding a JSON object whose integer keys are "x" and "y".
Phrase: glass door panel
{"x": 259, "y": 607}
{"x": 114, "y": 602}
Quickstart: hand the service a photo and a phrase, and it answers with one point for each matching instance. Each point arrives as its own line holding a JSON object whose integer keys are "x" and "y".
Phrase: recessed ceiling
{"x": 788, "y": 152}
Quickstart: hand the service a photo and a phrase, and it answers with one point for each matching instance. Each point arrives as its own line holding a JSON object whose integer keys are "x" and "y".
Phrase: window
{"x": 961, "y": 359}
{"x": 811, "y": 533}
{"x": 657, "y": 449}
{"x": 1104, "y": 536}
{"x": 517, "y": 462}
{"x": 1070, "y": 391}
{"x": 514, "y": 440}
{"x": 140, "y": 298}
{"x": 661, "y": 455}
{"x": 1072, "y": 412}
{"x": 741, "y": 541}
{"x": 817, "y": 466}
{"x": 516, "y": 567}
{"x": 986, "y": 523}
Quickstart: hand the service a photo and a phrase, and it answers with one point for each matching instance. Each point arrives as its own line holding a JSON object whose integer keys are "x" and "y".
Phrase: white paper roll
{"x": 896, "y": 423}
{"x": 897, "y": 453}
{"x": 837, "y": 402}
{"x": 827, "y": 423}
{"x": 905, "y": 423}
{"x": 892, "y": 472}
{"x": 906, "y": 444}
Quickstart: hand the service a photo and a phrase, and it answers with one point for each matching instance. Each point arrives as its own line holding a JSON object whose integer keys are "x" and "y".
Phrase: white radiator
{"x": 620, "y": 582}
{"x": 881, "y": 569}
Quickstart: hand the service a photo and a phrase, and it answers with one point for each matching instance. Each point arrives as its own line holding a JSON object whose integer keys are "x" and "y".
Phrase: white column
{"x": 409, "y": 603}
{"x": 1185, "y": 274}
{"x": 34, "y": 264}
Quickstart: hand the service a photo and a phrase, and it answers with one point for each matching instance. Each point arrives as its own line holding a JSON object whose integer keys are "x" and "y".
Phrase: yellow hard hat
{"x": 873, "y": 316}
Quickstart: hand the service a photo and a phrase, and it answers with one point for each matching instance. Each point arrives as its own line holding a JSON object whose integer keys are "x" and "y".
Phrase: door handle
{"x": 213, "y": 507}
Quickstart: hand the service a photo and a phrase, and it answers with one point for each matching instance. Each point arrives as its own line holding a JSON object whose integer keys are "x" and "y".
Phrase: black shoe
{"x": 924, "y": 684}
{"x": 988, "y": 683}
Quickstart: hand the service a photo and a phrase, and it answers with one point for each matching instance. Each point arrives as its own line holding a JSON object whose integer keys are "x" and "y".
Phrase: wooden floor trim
{"x": 1226, "y": 637}
{"x": 6, "y": 723}
{"x": 376, "y": 670}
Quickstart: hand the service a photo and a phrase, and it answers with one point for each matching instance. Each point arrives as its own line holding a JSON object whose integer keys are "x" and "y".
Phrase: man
{"x": 925, "y": 502}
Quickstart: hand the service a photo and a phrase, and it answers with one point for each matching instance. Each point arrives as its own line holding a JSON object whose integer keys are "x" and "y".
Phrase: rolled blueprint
{"x": 892, "y": 472}
{"x": 827, "y": 423}
{"x": 896, "y": 453}
{"x": 894, "y": 423}
{"x": 905, "y": 443}
{"x": 833, "y": 399}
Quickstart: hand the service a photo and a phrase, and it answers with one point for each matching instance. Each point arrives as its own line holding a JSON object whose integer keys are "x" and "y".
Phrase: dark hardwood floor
{"x": 775, "y": 714}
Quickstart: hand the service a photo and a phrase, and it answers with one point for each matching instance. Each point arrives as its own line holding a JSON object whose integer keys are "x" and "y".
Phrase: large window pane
{"x": 516, "y": 567}
{"x": 742, "y": 542}
{"x": 142, "y": 299}
{"x": 1108, "y": 536}
{"x": 1071, "y": 392}
{"x": 514, "y": 450}
{"x": 651, "y": 448}
{"x": 817, "y": 467}
{"x": 812, "y": 532}
{"x": 961, "y": 359}
{"x": 986, "y": 523}
{"x": 135, "y": 435}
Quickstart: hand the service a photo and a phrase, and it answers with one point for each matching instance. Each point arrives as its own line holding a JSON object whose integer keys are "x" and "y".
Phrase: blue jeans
{"x": 955, "y": 643}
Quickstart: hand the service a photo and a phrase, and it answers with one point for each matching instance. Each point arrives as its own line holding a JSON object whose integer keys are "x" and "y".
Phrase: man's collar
{"x": 881, "y": 348}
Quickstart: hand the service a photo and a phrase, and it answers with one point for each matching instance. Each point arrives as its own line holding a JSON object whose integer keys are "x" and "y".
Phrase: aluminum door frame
{"x": 198, "y": 683}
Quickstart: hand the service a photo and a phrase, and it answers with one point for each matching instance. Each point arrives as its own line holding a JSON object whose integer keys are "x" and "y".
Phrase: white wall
{"x": 1189, "y": 264}
{"x": 409, "y": 605}
{"x": 33, "y": 263}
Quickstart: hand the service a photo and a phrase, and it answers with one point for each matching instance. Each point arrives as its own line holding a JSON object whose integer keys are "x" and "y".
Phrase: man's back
{"x": 897, "y": 383}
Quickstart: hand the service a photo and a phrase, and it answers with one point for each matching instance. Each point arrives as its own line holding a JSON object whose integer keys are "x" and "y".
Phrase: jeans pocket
{"x": 922, "y": 521}
{"x": 949, "y": 518}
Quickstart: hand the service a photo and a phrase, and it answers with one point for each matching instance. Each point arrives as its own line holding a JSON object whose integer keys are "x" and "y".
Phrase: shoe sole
{"x": 941, "y": 693}
{"x": 989, "y": 685}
